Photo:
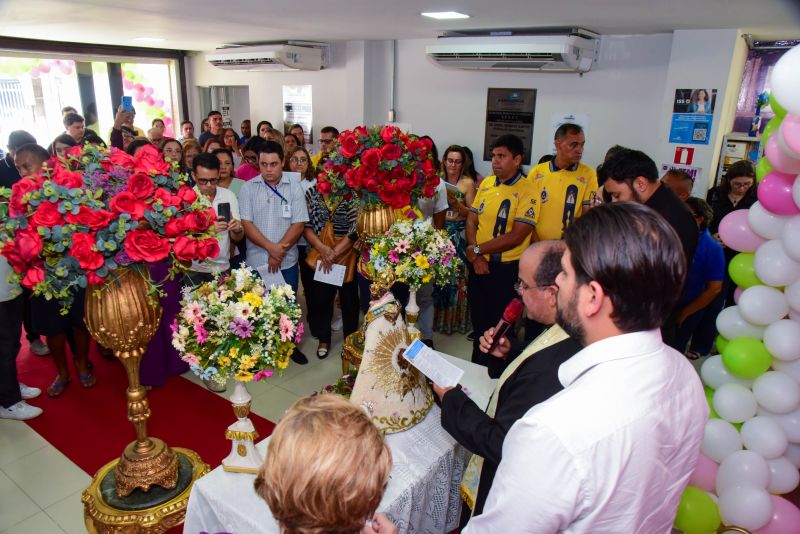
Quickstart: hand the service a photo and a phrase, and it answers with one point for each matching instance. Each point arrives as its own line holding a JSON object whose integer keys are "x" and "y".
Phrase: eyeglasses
{"x": 741, "y": 185}
{"x": 298, "y": 161}
{"x": 453, "y": 162}
{"x": 521, "y": 287}
{"x": 207, "y": 181}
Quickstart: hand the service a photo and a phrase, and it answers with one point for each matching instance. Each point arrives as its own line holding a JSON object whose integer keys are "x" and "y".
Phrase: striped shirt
{"x": 343, "y": 219}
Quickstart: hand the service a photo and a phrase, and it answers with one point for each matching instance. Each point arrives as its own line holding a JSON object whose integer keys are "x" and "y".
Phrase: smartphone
{"x": 224, "y": 211}
{"x": 127, "y": 104}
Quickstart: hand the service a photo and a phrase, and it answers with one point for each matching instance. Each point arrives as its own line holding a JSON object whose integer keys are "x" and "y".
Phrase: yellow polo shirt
{"x": 498, "y": 206}
{"x": 562, "y": 194}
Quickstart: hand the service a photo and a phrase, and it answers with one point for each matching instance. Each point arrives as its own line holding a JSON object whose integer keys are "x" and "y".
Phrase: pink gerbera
{"x": 402, "y": 246}
{"x": 393, "y": 257}
{"x": 286, "y": 326}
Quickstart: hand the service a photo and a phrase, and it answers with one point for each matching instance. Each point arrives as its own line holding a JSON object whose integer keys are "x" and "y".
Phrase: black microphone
{"x": 510, "y": 316}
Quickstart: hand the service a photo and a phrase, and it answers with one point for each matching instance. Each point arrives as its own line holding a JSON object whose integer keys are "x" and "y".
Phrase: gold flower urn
{"x": 150, "y": 481}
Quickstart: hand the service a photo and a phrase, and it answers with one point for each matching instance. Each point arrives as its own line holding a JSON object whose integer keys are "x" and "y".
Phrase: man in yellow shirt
{"x": 499, "y": 228}
{"x": 326, "y": 138}
{"x": 565, "y": 186}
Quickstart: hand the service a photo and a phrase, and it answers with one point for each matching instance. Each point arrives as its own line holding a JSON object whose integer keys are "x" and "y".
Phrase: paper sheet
{"x": 271, "y": 279}
{"x": 433, "y": 365}
{"x": 335, "y": 276}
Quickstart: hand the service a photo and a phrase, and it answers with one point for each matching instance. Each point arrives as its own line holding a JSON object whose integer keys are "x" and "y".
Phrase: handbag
{"x": 328, "y": 239}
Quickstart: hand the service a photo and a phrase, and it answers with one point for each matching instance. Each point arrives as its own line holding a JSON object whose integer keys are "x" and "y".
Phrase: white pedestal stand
{"x": 244, "y": 457}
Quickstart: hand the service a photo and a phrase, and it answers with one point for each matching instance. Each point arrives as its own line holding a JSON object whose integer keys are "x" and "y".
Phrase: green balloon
{"x": 777, "y": 109}
{"x": 710, "y": 400}
{"x": 742, "y": 270}
{"x": 746, "y": 357}
{"x": 720, "y": 343}
{"x": 769, "y": 129}
{"x": 697, "y": 512}
{"x": 763, "y": 167}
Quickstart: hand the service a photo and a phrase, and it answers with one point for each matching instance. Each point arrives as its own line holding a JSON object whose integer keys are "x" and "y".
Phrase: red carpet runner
{"x": 91, "y": 428}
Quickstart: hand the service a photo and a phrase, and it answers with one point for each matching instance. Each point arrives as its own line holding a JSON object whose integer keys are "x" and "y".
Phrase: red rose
{"x": 175, "y": 226}
{"x": 360, "y": 131}
{"x": 25, "y": 248}
{"x": 371, "y": 184}
{"x": 16, "y": 205}
{"x": 167, "y": 199}
{"x": 199, "y": 221}
{"x": 323, "y": 186}
{"x": 210, "y": 247}
{"x": 76, "y": 151}
{"x": 94, "y": 219}
{"x": 427, "y": 167}
{"x": 388, "y": 133}
{"x": 67, "y": 178}
{"x": 141, "y": 186}
{"x": 349, "y": 146}
{"x": 146, "y": 245}
{"x": 391, "y": 152}
{"x": 150, "y": 161}
{"x": 371, "y": 158}
{"x": 121, "y": 158}
{"x": 187, "y": 194}
{"x": 427, "y": 143}
{"x": 126, "y": 202}
{"x": 351, "y": 179}
{"x": 84, "y": 249}
{"x": 47, "y": 215}
{"x": 33, "y": 276}
{"x": 187, "y": 249}
{"x": 94, "y": 279}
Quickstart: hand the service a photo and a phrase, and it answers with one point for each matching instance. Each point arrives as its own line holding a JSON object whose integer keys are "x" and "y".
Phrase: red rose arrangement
{"x": 97, "y": 210}
{"x": 382, "y": 165}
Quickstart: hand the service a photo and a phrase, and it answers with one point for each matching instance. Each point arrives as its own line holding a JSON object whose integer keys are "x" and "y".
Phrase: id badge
{"x": 287, "y": 210}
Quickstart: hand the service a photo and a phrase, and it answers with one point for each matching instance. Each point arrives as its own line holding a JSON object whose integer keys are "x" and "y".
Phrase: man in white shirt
{"x": 434, "y": 208}
{"x": 613, "y": 451}
{"x": 228, "y": 227}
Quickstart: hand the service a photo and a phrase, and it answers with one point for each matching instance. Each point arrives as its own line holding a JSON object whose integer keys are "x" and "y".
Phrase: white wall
{"x": 622, "y": 95}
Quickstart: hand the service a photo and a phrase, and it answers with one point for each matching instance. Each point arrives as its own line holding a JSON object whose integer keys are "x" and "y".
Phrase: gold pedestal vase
{"x": 149, "y": 484}
{"x": 244, "y": 458}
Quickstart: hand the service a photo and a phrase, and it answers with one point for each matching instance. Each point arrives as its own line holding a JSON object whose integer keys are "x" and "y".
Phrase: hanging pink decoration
{"x": 158, "y": 103}
{"x": 148, "y": 91}
{"x": 138, "y": 97}
{"x": 149, "y": 100}
{"x": 127, "y": 84}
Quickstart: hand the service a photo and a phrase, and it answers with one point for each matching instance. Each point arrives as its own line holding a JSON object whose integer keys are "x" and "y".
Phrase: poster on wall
{"x": 698, "y": 179}
{"x": 509, "y": 111}
{"x": 297, "y": 109}
{"x": 692, "y": 114}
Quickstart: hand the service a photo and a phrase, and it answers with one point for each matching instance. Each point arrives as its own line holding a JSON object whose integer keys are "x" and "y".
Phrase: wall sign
{"x": 297, "y": 109}
{"x": 509, "y": 111}
{"x": 692, "y": 113}
{"x": 684, "y": 155}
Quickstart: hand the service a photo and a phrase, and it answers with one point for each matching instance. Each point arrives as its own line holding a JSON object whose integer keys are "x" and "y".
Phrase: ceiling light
{"x": 445, "y": 15}
{"x": 149, "y": 39}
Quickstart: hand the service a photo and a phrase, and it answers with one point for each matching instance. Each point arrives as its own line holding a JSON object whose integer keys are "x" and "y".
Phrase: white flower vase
{"x": 412, "y": 313}
{"x": 244, "y": 457}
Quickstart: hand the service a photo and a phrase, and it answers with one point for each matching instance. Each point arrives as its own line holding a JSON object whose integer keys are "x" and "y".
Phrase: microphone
{"x": 510, "y": 316}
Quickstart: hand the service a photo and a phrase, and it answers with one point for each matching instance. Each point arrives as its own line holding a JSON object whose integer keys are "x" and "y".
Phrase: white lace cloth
{"x": 422, "y": 495}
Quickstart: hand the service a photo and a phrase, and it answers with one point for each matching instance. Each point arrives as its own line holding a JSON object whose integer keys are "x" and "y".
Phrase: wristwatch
{"x": 476, "y": 249}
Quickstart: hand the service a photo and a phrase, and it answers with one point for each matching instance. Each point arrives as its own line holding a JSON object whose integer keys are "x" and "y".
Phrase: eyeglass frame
{"x": 453, "y": 162}
{"x": 520, "y": 286}
{"x": 297, "y": 160}
{"x": 741, "y": 185}
{"x": 207, "y": 181}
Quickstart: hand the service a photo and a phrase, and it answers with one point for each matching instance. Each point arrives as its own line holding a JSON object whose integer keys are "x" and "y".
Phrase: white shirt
{"x": 610, "y": 453}
{"x": 222, "y": 262}
{"x": 437, "y": 203}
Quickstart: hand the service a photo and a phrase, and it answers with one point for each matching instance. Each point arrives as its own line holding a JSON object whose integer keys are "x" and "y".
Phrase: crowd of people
{"x": 580, "y": 246}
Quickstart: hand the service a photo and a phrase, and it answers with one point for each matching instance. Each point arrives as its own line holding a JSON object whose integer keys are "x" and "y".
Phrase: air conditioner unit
{"x": 546, "y": 53}
{"x": 272, "y": 57}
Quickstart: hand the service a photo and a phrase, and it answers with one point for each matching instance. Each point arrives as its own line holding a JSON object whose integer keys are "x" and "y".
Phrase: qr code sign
{"x": 699, "y": 134}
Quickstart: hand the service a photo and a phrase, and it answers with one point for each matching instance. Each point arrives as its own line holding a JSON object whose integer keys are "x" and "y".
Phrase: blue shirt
{"x": 708, "y": 266}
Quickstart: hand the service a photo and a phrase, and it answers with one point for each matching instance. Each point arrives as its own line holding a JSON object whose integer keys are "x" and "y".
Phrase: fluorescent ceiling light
{"x": 445, "y": 15}
{"x": 149, "y": 39}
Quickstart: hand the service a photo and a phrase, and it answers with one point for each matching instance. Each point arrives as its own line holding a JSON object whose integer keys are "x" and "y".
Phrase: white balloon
{"x": 764, "y": 436}
{"x": 746, "y": 507}
{"x": 796, "y": 191}
{"x": 720, "y": 439}
{"x": 782, "y": 339}
{"x": 789, "y": 423}
{"x": 777, "y": 392}
{"x": 783, "y": 476}
{"x": 765, "y": 223}
{"x": 792, "y": 294}
{"x": 762, "y": 305}
{"x": 785, "y": 80}
{"x": 731, "y": 325}
{"x": 774, "y": 267}
{"x": 742, "y": 468}
{"x": 790, "y": 368}
{"x": 793, "y": 454}
{"x": 791, "y": 236}
{"x": 714, "y": 374}
{"x": 734, "y": 403}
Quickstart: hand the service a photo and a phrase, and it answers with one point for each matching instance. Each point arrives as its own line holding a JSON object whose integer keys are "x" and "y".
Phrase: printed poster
{"x": 509, "y": 111}
{"x": 692, "y": 115}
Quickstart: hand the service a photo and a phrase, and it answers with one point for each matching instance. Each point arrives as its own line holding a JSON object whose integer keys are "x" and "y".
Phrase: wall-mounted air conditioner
{"x": 546, "y": 53}
{"x": 272, "y": 57}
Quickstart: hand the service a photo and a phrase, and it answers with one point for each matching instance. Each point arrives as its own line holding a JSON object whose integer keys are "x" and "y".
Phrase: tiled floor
{"x": 40, "y": 489}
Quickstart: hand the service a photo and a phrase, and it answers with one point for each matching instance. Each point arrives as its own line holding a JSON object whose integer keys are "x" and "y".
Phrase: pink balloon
{"x": 167, "y": 120}
{"x": 158, "y": 103}
{"x": 789, "y": 135}
{"x": 737, "y": 293}
{"x": 704, "y": 475}
{"x": 785, "y": 518}
{"x": 138, "y": 97}
{"x": 168, "y": 131}
{"x": 44, "y": 67}
{"x": 127, "y": 84}
{"x": 775, "y": 193}
{"x": 149, "y": 101}
{"x": 139, "y": 88}
{"x": 35, "y": 72}
{"x": 779, "y": 159}
{"x": 735, "y": 231}
{"x": 66, "y": 69}
{"x": 148, "y": 91}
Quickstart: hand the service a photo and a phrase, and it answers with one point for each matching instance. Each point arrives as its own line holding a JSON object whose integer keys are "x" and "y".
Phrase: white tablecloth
{"x": 422, "y": 495}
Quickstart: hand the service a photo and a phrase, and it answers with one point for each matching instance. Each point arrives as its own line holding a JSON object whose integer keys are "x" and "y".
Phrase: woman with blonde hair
{"x": 326, "y": 469}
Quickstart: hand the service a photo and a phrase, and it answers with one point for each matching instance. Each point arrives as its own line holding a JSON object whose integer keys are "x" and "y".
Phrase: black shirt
{"x": 679, "y": 216}
{"x": 722, "y": 205}
{"x": 8, "y": 172}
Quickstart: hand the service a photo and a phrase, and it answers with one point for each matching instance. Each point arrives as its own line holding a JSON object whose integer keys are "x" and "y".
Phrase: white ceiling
{"x": 206, "y": 24}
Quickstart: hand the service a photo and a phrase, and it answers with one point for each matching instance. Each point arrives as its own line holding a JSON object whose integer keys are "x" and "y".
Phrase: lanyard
{"x": 275, "y": 190}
